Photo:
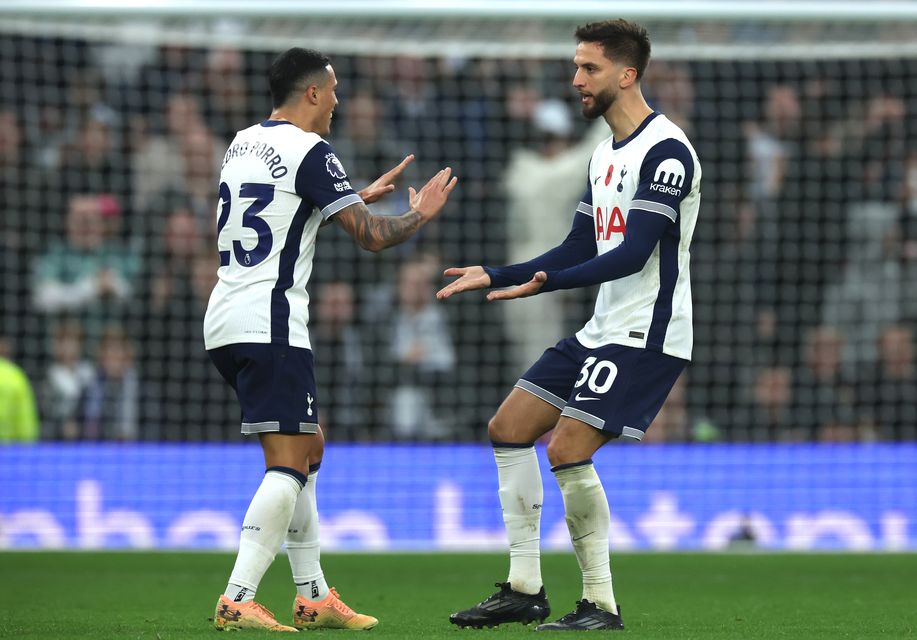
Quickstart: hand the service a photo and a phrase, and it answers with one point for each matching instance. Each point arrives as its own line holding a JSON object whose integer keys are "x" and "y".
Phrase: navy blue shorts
{"x": 275, "y": 384}
{"x": 614, "y": 388}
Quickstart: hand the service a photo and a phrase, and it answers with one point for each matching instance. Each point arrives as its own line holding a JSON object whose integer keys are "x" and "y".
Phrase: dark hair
{"x": 293, "y": 68}
{"x": 622, "y": 41}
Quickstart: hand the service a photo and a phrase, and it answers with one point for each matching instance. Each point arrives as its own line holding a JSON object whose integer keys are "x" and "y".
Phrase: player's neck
{"x": 292, "y": 117}
{"x": 626, "y": 114}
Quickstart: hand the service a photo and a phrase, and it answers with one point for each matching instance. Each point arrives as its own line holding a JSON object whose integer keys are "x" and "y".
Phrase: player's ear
{"x": 628, "y": 77}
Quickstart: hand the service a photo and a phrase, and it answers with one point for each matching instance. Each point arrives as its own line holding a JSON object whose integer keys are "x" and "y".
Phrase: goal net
{"x": 114, "y": 125}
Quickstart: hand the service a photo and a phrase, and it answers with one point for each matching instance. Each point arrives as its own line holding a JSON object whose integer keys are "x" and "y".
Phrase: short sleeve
{"x": 666, "y": 177}
{"x": 321, "y": 179}
{"x": 585, "y": 203}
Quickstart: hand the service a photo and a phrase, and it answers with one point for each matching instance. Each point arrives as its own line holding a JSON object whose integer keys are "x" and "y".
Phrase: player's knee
{"x": 494, "y": 429}
{"x": 560, "y": 452}
{"x": 499, "y": 429}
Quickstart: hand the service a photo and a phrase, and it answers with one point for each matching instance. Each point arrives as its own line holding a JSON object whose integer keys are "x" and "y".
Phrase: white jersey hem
{"x": 225, "y": 341}
{"x": 624, "y": 341}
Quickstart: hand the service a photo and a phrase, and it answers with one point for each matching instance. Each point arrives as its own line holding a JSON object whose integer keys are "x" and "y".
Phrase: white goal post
{"x": 706, "y": 29}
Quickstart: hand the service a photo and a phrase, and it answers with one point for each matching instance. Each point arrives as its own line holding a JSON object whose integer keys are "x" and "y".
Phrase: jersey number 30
{"x": 602, "y": 367}
{"x": 263, "y": 195}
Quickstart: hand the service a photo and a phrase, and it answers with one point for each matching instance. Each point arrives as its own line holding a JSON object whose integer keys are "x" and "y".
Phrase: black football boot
{"x": 586, "y": 617}
{"x": 505, "y": 605}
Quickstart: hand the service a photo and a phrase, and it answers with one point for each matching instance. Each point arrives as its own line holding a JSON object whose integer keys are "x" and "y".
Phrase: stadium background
{"x": 793, "y": 428}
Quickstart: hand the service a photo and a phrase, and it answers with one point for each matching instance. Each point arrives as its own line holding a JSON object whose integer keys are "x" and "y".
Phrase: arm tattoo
{"x": 377, "y": 232}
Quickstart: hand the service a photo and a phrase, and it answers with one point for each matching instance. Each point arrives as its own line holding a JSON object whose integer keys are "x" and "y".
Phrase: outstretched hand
{"x": 530, "y": 288}
{"x": 471, "y": 278}
{"x": 431, "y": 198}
{"x": 383, "y": 185}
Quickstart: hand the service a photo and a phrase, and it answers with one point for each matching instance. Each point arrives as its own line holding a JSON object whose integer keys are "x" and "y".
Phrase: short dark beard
{"x": 601, "y": 102}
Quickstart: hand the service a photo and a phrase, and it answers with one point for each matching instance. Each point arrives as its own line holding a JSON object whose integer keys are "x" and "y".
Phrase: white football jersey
{"x": 654, "y": 169}
{"x": 277, "y": 185}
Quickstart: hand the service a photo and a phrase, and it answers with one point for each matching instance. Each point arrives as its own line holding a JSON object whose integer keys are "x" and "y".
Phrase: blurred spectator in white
{"x": 344, "y": 410}
{"x": 89, "y": 274}
{"x": 860, "y": 251}
{"x": 870, "y": 295}
{"x": 161, "y": 165}
{"x": 825, "y": 398}
{"x": 18, "y": 415}
{"x": 109, "y": 408}
{"x": 422, "y": 348}
{"x": 770, "y": 143}
{"x": 769, "y": 148}
{"x": 544, "y": 186}
{"x": 888, "y": 390}
{"x": 67, "y": 378}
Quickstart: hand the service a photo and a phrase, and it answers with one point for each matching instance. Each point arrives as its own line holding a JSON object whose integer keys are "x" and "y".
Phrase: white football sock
{"x": 521, "y": 494}
{"x": 263, "y": 529}
{"x": 303, "y": 546}
{"x": 588, "y": 520}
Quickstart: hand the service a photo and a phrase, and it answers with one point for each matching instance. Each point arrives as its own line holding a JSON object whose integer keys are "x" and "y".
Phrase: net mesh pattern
{"x": 804, "y": 260}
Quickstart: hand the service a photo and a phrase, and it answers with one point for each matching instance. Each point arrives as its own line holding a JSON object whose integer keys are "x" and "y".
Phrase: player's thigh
{"x": 575, "y": 441}
{"x": 296, "y": 451}
{"x": 522, "y": 418}
{"x": 533, "y": 406}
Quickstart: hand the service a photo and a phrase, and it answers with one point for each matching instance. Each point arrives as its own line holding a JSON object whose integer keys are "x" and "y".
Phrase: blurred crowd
{"x": 804, "y": 253}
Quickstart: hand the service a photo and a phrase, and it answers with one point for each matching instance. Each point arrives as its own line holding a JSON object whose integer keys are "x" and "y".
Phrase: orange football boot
{"x": 232, "y": 616}
{"x": 329, "y": 613}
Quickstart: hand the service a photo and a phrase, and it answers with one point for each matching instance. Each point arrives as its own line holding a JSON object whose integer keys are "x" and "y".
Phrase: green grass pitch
{"x": 166, "y": 596}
